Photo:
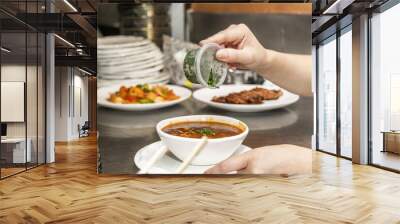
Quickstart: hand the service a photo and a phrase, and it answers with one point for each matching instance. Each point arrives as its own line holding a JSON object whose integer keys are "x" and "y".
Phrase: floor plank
{"x": 70, "y": 191}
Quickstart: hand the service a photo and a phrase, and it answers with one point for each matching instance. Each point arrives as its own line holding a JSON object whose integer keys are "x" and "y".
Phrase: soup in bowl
{"x": 182, "y": 134}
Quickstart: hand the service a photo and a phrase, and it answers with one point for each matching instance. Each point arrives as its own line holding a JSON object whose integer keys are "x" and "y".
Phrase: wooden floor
{"x": 70, "y": 191}
{"x": 11, "y": 170}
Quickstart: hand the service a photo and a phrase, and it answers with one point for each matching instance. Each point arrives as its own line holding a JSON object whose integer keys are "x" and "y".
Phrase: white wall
{"x": 62, "y": 80}
{"x": 80, "y": 94}
{"x": 12, "y": 101}
{"x": 33, "y": 127}
{"x": 14, "y": 73}
{"x": 70, "y": 81}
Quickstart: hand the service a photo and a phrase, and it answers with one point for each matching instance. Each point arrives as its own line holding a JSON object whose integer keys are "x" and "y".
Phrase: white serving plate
{"x": 139, "y": 78}
{"x": 205, "y": 95}
{"x": 111, "y": 42}
{"x": 127, "y": 52}
{"x": 104, "y": 92}
{"x": 131, "y": 74}
{"x": 144, "y": 58}
{"x": 168, "y": 164}
{"x": 129, "y": 82}
{"x": 150, "y": 66}
{"x": 138, "y": 75}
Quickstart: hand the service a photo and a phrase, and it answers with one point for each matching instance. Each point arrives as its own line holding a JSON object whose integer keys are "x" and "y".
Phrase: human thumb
{"x": 235, "y": 163}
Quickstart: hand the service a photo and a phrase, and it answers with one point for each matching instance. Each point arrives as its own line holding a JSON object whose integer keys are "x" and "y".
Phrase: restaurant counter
{"x": 123, "y": 133}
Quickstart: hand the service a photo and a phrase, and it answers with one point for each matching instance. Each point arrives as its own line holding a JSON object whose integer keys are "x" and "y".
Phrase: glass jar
{"x": 201, "y": 66}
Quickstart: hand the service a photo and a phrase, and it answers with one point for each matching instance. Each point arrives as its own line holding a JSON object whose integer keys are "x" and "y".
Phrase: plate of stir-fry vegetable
{"x": 141, "y": 97}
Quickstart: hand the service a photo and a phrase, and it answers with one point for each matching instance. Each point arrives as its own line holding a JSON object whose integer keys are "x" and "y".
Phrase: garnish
{"x": 212, "y": 79}
{"x": 205, "y": 131}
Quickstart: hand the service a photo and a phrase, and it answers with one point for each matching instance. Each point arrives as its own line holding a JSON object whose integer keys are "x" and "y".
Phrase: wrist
{"x": 268, "y": 58}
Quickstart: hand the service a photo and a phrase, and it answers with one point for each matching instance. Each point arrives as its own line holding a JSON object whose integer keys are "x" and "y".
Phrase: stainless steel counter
{"x": 122, "y": 133}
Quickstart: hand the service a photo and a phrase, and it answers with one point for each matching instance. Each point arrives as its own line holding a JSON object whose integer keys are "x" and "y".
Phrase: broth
{"x": 198, "y": 129}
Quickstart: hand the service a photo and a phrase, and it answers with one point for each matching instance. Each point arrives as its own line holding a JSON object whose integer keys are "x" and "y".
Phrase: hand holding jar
{"x": 239, "y": 48}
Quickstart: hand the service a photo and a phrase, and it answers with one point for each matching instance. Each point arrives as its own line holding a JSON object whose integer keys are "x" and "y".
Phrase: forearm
{"x": 289, "y": 71}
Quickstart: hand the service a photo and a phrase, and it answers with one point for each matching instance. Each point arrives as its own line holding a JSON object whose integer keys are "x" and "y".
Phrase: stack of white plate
{"x": 129, "y": 60}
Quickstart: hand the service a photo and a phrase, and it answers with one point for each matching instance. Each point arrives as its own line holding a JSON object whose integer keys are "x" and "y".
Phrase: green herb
{"x": 145, "y": 87}
{"x": 190, "y": 59}
{"x": 205, "y": 131}
{"x": 188, "y": 66}
{"x": 144, "y": 101}
{"x": 212, "y": 79}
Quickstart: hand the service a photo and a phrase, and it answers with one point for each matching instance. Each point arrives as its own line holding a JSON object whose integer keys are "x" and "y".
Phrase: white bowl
{"x": 215, "y": 151}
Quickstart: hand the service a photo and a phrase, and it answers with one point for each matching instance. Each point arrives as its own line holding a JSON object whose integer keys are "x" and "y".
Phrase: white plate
{"x": 104, "y": 92}
{"x": 151, "y": 78}
{"x": 140, "y": 44}
{"x": 138, "y": 75}
{"x": 128, "y": 52}
{"x": 151, "y": 66}
{"x": 112, "y": 42}
{"x": 130, "y": 82}
{"x": 130, "y": 73}
{"x": 169, "y": 163}
{"x": 144, "y": 58}
{"x": 205, "y": 95}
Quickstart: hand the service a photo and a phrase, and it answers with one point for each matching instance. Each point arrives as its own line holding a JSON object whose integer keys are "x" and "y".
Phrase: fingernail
{"x": 202, "y": 42}
{"x": 221, "y": 54}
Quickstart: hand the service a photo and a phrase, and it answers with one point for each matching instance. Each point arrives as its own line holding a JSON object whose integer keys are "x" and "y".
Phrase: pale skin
{"x": 274, "y": 159}
{"x": 290, "y": 71}
{"x": 243, "y": 50}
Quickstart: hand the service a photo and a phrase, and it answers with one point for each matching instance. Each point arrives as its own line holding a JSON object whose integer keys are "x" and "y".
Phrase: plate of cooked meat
{"x": 246, "y": 98}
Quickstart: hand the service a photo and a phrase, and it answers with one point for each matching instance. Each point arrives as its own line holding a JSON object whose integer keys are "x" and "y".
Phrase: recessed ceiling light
{"x": 5, "y": 50}
{"x": 337, "y": 7}
{"x": 84, "y": 71}
{"x": 65, "y": 41}
{"x": 70, "y": 5}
